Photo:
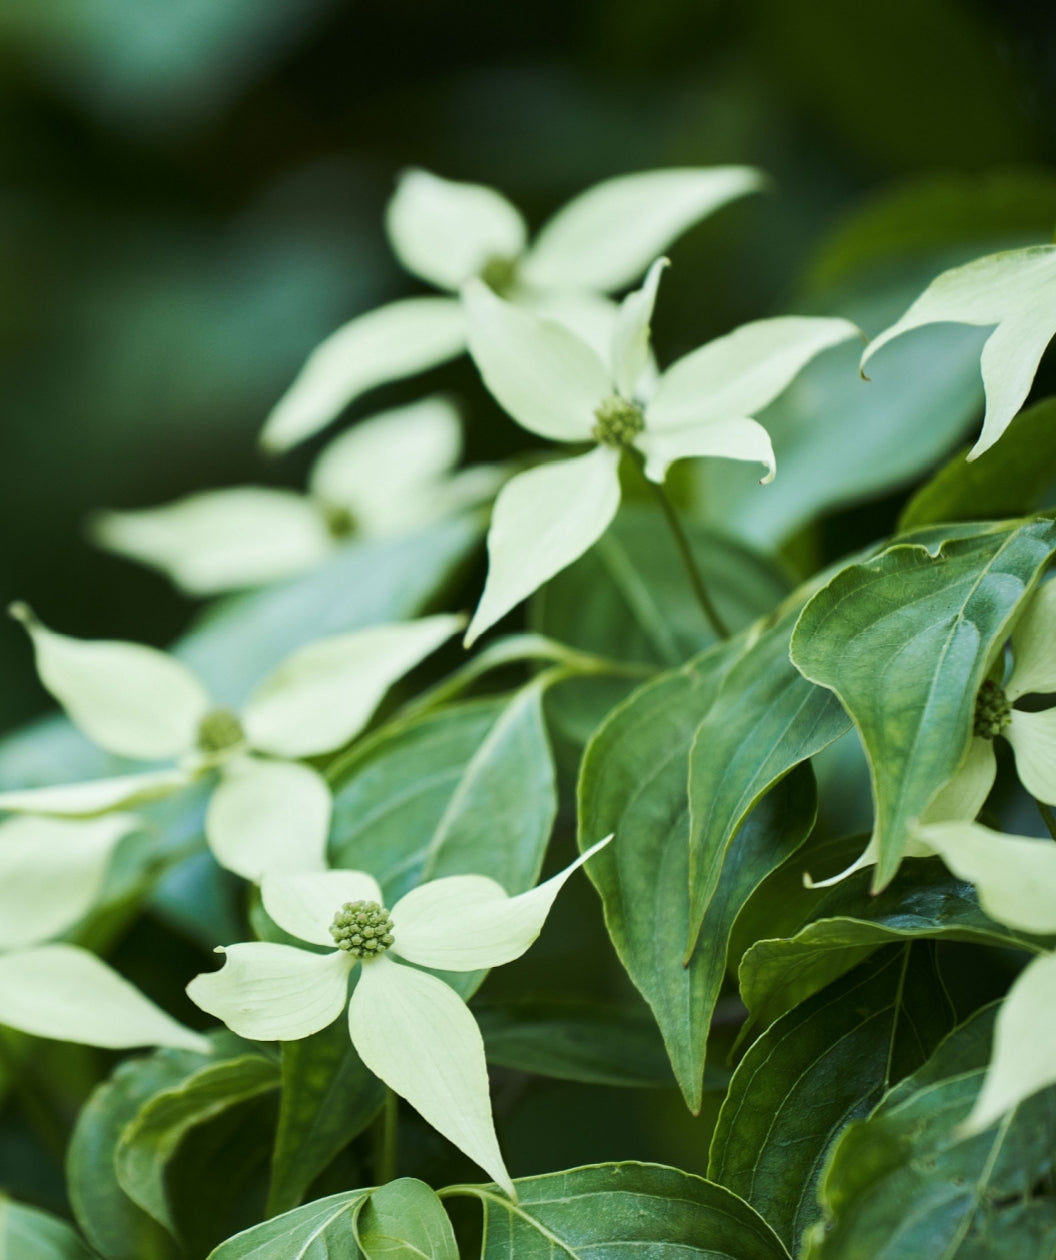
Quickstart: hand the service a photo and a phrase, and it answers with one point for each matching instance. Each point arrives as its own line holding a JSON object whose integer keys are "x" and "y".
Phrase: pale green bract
{"x": 390, "y": 474}
{"x": 445, "y": 232}
{"x": 269, "y": 810}
{"x": 409, "y": 1028}
{"x": 1016, "y": 292}
{"x": 554, "y": 384}
{"x": 1016, "y": 880}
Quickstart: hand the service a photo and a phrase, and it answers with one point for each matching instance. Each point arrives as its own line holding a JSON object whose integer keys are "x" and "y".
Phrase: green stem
{"x": 696, "y": 578}
{"x": 1047, "y": 817}
{"x": 385, "y": 1140}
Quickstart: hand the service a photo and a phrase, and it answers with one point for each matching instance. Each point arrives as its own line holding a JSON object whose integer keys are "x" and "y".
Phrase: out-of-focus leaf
{"x": 907, "y": 1183}
{"x": 28, "y": 1234}
{"x": 905, "y": 641}
{"x": 116, "y": 1226}
{"x": 574, "y": 1040}
{"x": 825, "y": 1063}
{"x": 151, "y": 1139}
{"x": 328, "y": 1098}
{"x": 643, "y": 1210}
{"x": 1011, "y": 479}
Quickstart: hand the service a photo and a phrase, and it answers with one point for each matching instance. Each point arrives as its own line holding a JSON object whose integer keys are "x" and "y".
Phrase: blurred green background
{"x": 193, "y": 192}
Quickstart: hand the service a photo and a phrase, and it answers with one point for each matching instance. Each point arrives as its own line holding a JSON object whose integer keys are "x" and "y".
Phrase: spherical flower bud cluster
{"x": 362, "y": 928}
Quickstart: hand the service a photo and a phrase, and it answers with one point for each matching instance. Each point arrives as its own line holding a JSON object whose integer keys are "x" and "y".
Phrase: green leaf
{"x": 823, "y": 1064}
{"x": 765, "y": 719}
{"x": 150, "y": 1141}
{"x": 28, "y": 1234}
{"x": 243, "y": 638}
{"x": 116, "y": 1226}
{"x": 905, "y": 1184}
{"x": 323, "y": 1230}
{"x": 634, "y": 1210}
{"x": 574, "y": 1040}
{"x": 404, "y": 1220}
{"x": 905, "y": 641}
{"x": 828, "y": 931}
{"x": 328, "y": 1098}
{"x": 633, "y": 783}
{"x": 628, "y": 597}
{"x": 1012, "y": 478}
{"x": 469, "y": 789}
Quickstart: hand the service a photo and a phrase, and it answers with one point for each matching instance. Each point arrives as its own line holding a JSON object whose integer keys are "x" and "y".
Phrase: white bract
{"x": 555, "y": 384}
{"x": 1016, "y": 880}
{"x": 1031, "y": 734}
{"x": 1016, "y": 291}
{"x": 410, "y": 1028}
{"x": 445, "y": 232}
{"x": 269, "y": 810}
{"x": 391, "y": 473}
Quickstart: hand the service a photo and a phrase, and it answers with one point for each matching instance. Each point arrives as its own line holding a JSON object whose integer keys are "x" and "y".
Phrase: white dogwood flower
{"x": 1016, "y": 880}
{"x": 410, "y": 1028}
{"x": 555, "y": 385}
{"x": 269, "y": 810}
{"x": 444, "y": 232}
{"x": 387, "y": 475}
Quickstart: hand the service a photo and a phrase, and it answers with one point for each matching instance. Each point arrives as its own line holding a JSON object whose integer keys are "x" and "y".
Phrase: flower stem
{"x": 385, "y": 1140}
{"x": 1047, "y": 817}
{"x": 696, "y": 578}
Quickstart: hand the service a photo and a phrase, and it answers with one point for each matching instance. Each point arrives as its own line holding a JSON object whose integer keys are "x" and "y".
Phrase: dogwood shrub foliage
{"x": 815, "y": 889}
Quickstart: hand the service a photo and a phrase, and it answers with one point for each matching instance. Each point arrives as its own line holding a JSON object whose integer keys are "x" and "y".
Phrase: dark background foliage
{"x": 193, "y": 195}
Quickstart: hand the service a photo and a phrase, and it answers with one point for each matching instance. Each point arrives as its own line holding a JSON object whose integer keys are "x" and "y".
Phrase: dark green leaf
{"x": 825, "y": 1063}
{"x": 28, "y": 1234}
{"x": 1013, "y": 477}
{"x": 116, "y": 1226}
{"x": 151, "y": 1140}
{"x": 323, "y": 1230}
{"x": 469, "y": 789}
{"x": 633, "y": 783}
{"x": 904, "y": 1184}
{"x": 766, "y": 719}
{"x": 328, "y": 1098}
{"x": 574, "y": 1040}
{"x": 404, "y": 1220}
{"x": 639, "y": 1210}
{"x": 905, "y": 641}
{"x": 825, "y": 932}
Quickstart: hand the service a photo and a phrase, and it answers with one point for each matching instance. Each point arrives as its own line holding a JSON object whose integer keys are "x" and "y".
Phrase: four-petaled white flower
{"x": 445, "y": 232}
{"x": 269, "y": 810}
{"x": 410, "y": 1028}
{"x": 555, "y": 384}
{"x": 391, "y": 473}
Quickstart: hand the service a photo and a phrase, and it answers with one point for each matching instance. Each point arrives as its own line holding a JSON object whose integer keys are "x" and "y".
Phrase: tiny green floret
{"x": 499, "y": 274}
{"x": 340, "y": 521}
{"x": 993, "y": 712}
{"x": 619, "y": 422}
{"x": 362, "y": 928}
{"x": 219, "y": 731}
